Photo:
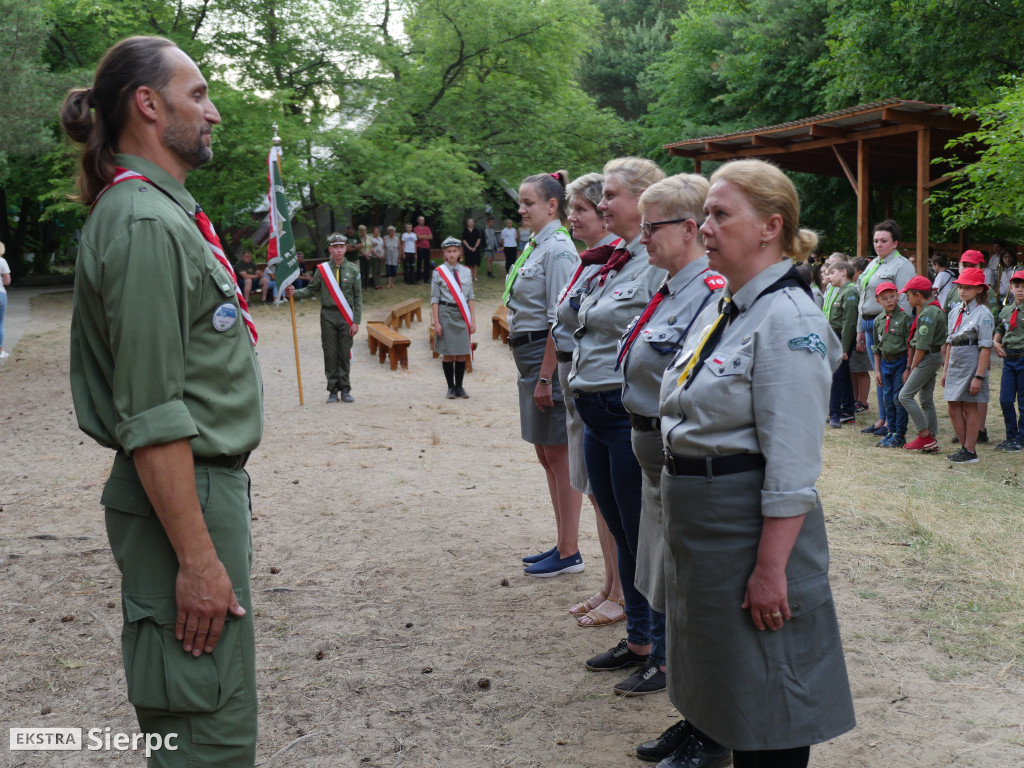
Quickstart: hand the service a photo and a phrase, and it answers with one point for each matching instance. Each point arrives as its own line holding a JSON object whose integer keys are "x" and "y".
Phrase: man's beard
{"x": 184, "y": 141}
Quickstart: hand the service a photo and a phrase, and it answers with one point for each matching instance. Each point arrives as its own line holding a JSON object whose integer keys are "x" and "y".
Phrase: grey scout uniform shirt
{"x": 895, "y": 269}
{"x": 605, "y": 311}
{"x": 439, "y": 288}
{"x": 149, "y": 364}
{"x": 531, "y": 305}
{"x": 567, "y": 310}
{"x": 771, "y": 368}
{"x": 659, "y": 341}
{"x": 977, "y": 324}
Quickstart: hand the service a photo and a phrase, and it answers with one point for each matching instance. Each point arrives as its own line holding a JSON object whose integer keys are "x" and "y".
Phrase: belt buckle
{"x": 670, "y": 463}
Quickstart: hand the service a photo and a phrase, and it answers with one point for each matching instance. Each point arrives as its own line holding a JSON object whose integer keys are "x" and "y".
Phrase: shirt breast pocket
{"x": 626, "y": 293}
{"x": 529, "y": 272}
{"x": 662, "y": 340}
{"x": 729, "y": 363}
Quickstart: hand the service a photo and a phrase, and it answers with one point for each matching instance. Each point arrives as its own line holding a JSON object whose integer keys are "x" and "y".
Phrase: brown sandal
{"x": 599, "y": 619}
{"x": 586, "y": 607}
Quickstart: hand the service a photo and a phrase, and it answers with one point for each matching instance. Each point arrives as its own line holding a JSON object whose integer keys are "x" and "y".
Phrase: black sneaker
{"x": 648, "y": 679}
{"x": 698, "y": 751}
{"x": 452, "y": 393}
{"x": 963, "y": 456}
{"x": 460, "y": 392}
{"x": 658, "y": 749}
{"x": 332, "y": 398}
{"x": 983, "y": 436}
{"x": 859, "y": 407}
{"x": 618, "y": 657}
{"x": 1013, "y": 446}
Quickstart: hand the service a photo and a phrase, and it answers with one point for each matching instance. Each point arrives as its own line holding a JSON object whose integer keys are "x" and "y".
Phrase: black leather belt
{"x": 563, "y": 357}
{"x": 526, "y": 338}
{"x": 893, "y": 358}
{"x": 964, "y": 343}
{"x": 1014, "y": 354}
{"x": 711, "y": 466}
{"x": 644, "y": 423}
{"x": 224, "y": 462}
{"x": 447, "y": 303}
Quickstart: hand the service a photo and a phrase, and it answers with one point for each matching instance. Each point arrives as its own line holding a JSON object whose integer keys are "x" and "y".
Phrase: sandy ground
{"x": 394, "y": 624}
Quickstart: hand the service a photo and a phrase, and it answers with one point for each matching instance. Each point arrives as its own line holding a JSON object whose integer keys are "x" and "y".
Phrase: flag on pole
{"x": 281, "y": 253}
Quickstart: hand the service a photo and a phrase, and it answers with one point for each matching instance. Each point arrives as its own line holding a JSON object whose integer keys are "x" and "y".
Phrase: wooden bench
{"x": 388, "y": 343}
{"x": 405, "y": 311}
{"x": 499, "y": 324}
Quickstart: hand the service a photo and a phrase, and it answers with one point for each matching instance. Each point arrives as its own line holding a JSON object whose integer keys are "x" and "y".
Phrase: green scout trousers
{"x": 210, "y": 701}
{"x": 337, "y": 348}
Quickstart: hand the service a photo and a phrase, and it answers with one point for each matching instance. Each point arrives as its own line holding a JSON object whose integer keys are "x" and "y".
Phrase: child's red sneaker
{"x": 926, "y": 444}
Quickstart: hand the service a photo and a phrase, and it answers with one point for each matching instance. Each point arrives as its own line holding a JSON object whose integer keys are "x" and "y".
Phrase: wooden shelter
{"x": 890, "y": 141}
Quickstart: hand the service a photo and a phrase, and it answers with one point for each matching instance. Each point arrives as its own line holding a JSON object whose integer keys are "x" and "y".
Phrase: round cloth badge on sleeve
{"x": 225, "y": 316}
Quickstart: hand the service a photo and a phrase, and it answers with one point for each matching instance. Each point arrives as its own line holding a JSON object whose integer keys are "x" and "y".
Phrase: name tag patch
{"x": 224, "y": 317}
{"x": 812, "y": 343}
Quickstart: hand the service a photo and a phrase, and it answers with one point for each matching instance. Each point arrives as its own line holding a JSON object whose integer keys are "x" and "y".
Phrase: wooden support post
{"x": 923, "y": 166}
{"x": 863, "y": 199}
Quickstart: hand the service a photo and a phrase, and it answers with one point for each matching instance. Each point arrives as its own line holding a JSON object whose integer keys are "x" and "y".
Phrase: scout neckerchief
{"x": 960, "y": 317}
{"x": 714, "y": 283}
{"x": 451, "y": 279}
{"x": 514, "y": 273}
{"x": 208, "y": 233}
{"x": 1013, "y": 317}
{"x": 872, "y": 268}
{"x": 727, "y": 311}
{"x": 327, "y": 275}
{"x": 597, "y": 255}
{"x": 830, "y": 297}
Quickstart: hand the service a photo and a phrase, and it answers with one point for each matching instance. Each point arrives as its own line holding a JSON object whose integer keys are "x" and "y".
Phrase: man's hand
{"x": 204, "y": 595}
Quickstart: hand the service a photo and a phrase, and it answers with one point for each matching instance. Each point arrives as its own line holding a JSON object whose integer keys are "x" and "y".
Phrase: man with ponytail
{"x": 164, "y": 372}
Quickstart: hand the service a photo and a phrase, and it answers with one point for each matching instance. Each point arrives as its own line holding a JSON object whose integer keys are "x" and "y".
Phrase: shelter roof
{"x": 812, "y": 144}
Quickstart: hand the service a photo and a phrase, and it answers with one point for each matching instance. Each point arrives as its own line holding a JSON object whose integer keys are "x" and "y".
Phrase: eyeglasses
{"x": 647, "y": 227}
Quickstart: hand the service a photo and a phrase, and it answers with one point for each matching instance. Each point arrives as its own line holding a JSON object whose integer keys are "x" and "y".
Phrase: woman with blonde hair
{"x": 756, "y": 661}
{"x": 611, "y": 297}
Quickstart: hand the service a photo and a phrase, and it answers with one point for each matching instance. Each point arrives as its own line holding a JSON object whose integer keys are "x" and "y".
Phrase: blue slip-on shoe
{"x": 556, "y": 566}
{"x": 531, "y": 559}
{"x": 834, "y": 423}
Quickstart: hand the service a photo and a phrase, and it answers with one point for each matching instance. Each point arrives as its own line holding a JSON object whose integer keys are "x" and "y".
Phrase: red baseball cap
{"x": 973, "y": 257}
{"x": 886, "y": 286}
{"x": 971, "y": 276}
{"x": 918, "y": 283}
{"x": 1018, "y": 275}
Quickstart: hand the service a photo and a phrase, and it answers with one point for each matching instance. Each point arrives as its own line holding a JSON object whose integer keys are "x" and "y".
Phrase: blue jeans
{"x": 1011, "y": 387}
{"x": 868, "y": 327}
{"x": 892, "y": 382}
{"x": 615, "y": 478}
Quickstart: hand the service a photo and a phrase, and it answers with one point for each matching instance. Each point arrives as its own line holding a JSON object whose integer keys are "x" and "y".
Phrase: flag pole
{"x": 291, "y": 300}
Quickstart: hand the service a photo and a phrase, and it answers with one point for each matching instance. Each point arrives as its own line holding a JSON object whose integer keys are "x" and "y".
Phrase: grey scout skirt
{"x": 748, "y": 689}
{"x": 574, "y": 431}
{"x": 538, "y": 427}
{"x": 455, "y": 337}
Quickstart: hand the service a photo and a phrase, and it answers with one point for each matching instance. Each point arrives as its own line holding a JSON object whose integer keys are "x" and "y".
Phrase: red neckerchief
{"x": 597, "y": 255}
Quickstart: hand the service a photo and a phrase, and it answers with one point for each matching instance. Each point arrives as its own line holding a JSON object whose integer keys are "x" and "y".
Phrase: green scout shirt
{"x": 930, "y": 333}
{"x": 1011, "y": 338}
{"x": 351, "y": 289}
{"x": 147, "y": 364}
{"x": 843, "y": 316}
{"x": 894, "y": 341}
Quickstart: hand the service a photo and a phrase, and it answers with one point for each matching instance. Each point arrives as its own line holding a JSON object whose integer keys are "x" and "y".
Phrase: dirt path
{"x": 394, "y": 625}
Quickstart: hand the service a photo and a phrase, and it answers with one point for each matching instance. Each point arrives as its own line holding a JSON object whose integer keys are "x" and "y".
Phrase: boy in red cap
{"x": 891, "y": 333}
{"x": 1008, "y": 342}
{"x": 927, "y": 335}
{"x": 966, "y": 356}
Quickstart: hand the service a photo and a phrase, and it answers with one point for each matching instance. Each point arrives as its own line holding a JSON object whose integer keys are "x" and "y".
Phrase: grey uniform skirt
{"x": 455, "y": 339}
{"x": 538, "y": 427}
{"x": 963, "y": 364}
{"x": 650, "y": 551}
{"x": 574, "y": 431}
{"x": 748, "y": 689}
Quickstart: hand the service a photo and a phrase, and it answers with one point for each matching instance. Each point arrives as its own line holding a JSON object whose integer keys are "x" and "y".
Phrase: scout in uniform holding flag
{"x": 338, "y": 285}
{"x": 453, "y": 313}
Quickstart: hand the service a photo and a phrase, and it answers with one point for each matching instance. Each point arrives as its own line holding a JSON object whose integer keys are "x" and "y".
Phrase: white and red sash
{"x": 209, "y": 235}
{"x": 327, "y": 275}
{"x": 451, "y": 279}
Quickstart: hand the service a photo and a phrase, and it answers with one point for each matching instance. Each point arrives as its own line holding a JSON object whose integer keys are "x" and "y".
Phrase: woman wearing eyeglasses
{"x": 672, "y": 212}
{"x": 609, "y": 301}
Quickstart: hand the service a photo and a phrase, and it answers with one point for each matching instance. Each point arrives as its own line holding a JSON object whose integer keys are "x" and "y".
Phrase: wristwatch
{"x": 980, "y": 378}
{"x": 544, "y": 381}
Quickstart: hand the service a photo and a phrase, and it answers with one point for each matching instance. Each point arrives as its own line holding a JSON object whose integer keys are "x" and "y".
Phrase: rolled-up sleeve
{"x": 789, "y": 386}
{"x": 149, "y": 327}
